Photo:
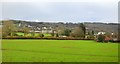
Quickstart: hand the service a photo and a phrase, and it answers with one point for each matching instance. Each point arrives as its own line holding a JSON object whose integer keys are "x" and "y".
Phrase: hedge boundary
{"x": 52, "y": 38}
{"x": 48, "y": 38}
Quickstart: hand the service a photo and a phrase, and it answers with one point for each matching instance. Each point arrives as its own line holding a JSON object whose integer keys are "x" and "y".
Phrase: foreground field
{"x": 58, "y": 51}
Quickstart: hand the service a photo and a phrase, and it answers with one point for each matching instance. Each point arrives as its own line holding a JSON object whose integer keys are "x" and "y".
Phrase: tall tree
{"x": 67, "y": 32}
{"x": 60, "y": 30}
{"x": 92, "y": 32}
{"x": 77, "y": 32}
{"x": 53, "y": 33}
{"x": 82, "y": 26}
{"x": 25, "y": 30}
{"x": 8, "y": 28}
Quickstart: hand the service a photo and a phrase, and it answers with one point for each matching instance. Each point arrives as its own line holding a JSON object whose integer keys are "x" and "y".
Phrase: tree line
{"x": 10, "y": 29}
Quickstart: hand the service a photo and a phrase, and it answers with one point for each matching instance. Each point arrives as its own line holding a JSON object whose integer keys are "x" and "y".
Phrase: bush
{"x": 101, "y": 38}
{"x": 52, "y": 34}
{"x": 41, "y": 35}
{"x": 57, "y": 35}
{"x": 15, "y": 34}
{"x": 33, "y": 34}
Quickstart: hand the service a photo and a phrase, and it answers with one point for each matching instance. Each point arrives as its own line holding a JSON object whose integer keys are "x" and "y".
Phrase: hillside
{"x": 107, "y": 27}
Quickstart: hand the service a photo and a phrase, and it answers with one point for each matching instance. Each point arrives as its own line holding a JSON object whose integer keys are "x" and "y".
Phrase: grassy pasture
{"x": 29, "y": 34}
{"x": 58, "y": 51}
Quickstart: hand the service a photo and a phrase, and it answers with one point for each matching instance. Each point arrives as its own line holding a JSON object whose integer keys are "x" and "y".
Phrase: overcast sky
{"x": 88, "y": 11}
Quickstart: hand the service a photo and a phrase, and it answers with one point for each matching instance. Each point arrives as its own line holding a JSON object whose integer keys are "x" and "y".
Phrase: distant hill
{"x": 107, "y": 27}
{"x": 111, "y": 27}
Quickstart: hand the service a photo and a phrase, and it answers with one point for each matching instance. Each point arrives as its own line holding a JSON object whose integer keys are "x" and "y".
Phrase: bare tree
{"x": 25, "y": 30}
{"x": 60, "y": 30}
{"x": 8, "y": 28}
{"x": 77, "y": 32}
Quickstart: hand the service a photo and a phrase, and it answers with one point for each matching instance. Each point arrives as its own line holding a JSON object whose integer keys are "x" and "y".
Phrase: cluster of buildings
{"x": 40, "y": 29}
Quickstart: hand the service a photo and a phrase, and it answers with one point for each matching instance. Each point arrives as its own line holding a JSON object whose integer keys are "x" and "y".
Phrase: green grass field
{"x": 36, "y": 34}
{"x": 58, "y": 51}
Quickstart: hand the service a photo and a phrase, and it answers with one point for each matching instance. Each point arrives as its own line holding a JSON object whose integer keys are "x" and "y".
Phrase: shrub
{"x": 41, "y": 35}
{"x": 52, "y": 34}
{"x": 15, "y": 34}
{"x": 101, "y": 38}
{"x": 57, "y": 35}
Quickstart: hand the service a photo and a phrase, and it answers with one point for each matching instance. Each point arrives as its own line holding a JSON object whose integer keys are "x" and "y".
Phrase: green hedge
{"x": 49, "y": 38}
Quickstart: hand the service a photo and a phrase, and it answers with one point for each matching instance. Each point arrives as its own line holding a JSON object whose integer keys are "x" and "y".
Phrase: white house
{"x": 101, "y": 33}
